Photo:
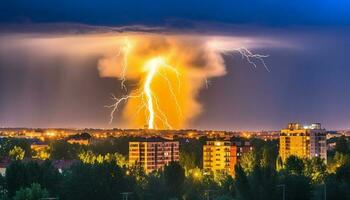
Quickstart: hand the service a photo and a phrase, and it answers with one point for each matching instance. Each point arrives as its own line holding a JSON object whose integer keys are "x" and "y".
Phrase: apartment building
{"x": 222, "y": 156}
{"x": 303, "y": 141}
{"x": 152, "y": 154}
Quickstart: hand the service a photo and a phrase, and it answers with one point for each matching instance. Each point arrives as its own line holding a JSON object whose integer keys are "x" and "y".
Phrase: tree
{"x": 279, "y": 163}
{"x": 111, "y": 145}
{"x": 263, "y": 181}
{"x": 191, "y": 153}
{"x": 15, "y": 177}
{"x": 63, "y": 150}
{"x": 338, "y": 160}
{"x": 316, "y": 169}
{"x": 19, "y": 175}
{"x": 242, "y": 184}
{"x": 155, "y": 188}
{"x": 93, "y": 181}
{"x": 51, "y": 178}
{"x": 42, "y": 153}
{"x": 341, "y": 145}
{"x": 337, "y": 189}
{"x": 196, "y": 174}
{"x": 343, "y": 173}
{"x": 7, "y": 144}
{"x": 17, "y": 153}
{"x": 298, "y": 187}
{"x": 32, "y": 173}
{"x": 259, "y": 184}
{"x": 187, "y": 160}
{"x": 3, "y": 190}
{"x": 224, "y": 197}
{"x": 227, "y": 188}
{"x": 338, "y": 184}
{"x": 34, "y": 192}
{"x": 89, "y": 157}
{"x": 268, "y": 156}
{"x": 174, "y": 176}
{"x": 120, "y": 160}
{"x": 248, "y": 161}
{"x": 294, "y": 165}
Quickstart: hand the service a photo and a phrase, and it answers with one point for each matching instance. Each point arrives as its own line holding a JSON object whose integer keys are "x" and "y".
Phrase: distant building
{"x": 333, "y": 134}
{"x": 242, "y": 148}
{"x": 153, "y": 153}
{"x": 80, "y": 142}
{"x": 39, "y": 147}
{"x": 81, "y": 139}
{"x": 303, "y": 141}
{"x": 222, "y": 156}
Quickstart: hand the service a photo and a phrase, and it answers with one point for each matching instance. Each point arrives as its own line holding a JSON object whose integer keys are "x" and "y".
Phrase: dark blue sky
{"x": 159, "y": 12}
{"x": 308, "y": 83}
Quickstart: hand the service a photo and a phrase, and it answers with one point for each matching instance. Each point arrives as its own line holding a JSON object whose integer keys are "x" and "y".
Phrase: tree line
{"x": 104, "y": 174}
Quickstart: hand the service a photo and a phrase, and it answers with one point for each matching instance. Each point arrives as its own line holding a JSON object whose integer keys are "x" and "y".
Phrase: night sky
{"x": 309, "y": 64}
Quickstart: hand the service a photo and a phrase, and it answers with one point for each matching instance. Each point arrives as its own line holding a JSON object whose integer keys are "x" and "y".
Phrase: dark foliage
{"x": 61, "y": 149}
{"x": 8, "y": 143}
{"x": 91, "y": 182}
{"x": 20, "y": 174}
{"x": 302, "y": 179}
{"x": 174, "y": 176}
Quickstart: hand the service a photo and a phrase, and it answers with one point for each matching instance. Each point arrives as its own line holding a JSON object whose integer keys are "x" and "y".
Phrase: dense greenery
{"x": 103, "y": 173}
{"x": 20, "y": 175}
{"x": 34, "y": 192}
{"x": 8, "y": 144}
{"x": 191, "y": 153}
{"x": 17, "y": 153}
{"x": 19, "y": 149}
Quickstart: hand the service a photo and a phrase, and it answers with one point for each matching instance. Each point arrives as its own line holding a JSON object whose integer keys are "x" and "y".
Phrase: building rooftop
{"x": 153, "y": 139}
{"x": 298, "y": 126}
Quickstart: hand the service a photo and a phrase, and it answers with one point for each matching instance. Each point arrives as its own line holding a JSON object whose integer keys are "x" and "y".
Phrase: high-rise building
{"x": 152, "y": 154}
{"x": 222, "y": 156}
{"x": 303, "y": 141}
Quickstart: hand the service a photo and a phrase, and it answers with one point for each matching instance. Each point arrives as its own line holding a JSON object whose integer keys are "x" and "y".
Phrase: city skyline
{"x": 174, "y": 100}
{"x": 45, "y": 82}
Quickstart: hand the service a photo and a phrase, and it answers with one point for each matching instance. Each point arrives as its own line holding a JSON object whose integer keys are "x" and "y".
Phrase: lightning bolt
{"x": 125, "y": 49}
{"x": 154, "y": 67}
{"x": 249, "y": 56}
{"x": 150, "y": 101}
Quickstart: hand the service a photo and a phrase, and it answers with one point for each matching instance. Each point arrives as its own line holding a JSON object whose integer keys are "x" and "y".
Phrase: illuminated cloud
{"x": 197, "y": 58}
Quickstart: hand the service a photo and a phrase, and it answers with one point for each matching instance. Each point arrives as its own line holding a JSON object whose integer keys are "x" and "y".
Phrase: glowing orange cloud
{"x": 169, "y": 70}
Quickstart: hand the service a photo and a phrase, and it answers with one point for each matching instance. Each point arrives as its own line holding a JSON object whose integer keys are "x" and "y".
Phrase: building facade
{"x": 222, "y": 156}
{"x": 303, "y": 141}
{"x": 153, "y": 154}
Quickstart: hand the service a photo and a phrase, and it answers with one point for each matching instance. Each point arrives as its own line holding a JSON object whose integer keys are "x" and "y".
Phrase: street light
{"x": 207, "y": 193}
{"x": 284, "y": 190}
{"x": 125, "y": 195}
